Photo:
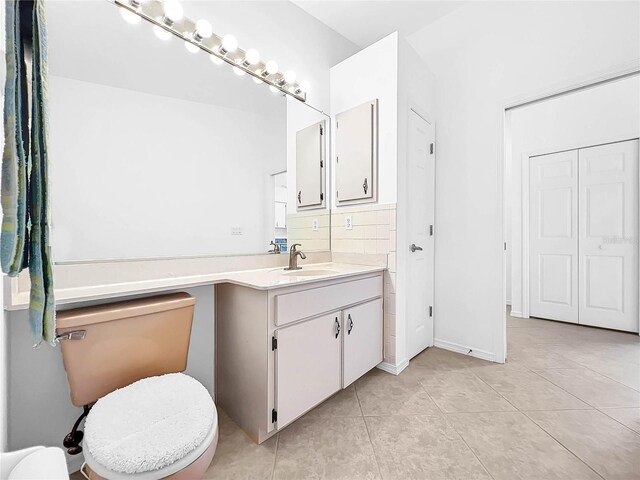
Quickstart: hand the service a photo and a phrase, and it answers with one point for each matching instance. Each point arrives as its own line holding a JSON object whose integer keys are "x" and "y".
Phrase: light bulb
{"x": 238, "y": 71}
{"x": 161, "y": 33}
{"x": 289, "y": 76}
{"x": 203, "y": 28}
{"x": 191, "y": 47}
{"x": 252, "y": 56}
{"x": 304, "y": 86}
{"x": 129, "y": 16}
{"x": 271, "y": 67}
{"x": 273, "y": 89}
{"x": 215, "y": 60}
{"x": 173, "y": 10}
{"x": 229, "y": 43}
{"x": 257, "y": 80}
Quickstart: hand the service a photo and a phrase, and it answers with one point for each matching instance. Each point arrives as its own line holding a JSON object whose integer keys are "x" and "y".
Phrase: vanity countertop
{"x": 261, "y": 279}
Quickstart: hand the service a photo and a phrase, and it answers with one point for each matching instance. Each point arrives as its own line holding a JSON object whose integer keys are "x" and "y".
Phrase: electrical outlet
{"x": 236, "y": 230}
{"x": 314, "y": 224}
{"x": 348, "y": 224}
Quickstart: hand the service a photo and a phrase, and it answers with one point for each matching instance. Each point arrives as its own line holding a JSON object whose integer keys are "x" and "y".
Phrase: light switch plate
{"x": 314, "y": 224}
{"x": 348, "y": 224}
{"x": 236, "y": 230}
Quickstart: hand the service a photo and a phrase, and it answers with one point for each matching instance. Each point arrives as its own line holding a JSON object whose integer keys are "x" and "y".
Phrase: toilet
{"x": 147, "y": 420}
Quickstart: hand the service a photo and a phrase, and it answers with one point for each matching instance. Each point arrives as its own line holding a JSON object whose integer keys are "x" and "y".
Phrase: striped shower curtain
{"x": 24, "y": 238}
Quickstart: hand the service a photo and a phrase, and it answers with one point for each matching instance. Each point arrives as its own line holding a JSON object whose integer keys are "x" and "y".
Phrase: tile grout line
{"x": 364, "y": 420}
{"x": 444, "y": 416}
{"x": 615, "y": 419}
{"x": 562, "y": 445}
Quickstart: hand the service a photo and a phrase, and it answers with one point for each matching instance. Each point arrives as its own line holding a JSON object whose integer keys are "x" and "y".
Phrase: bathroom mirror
{"x": 158, "y": 152}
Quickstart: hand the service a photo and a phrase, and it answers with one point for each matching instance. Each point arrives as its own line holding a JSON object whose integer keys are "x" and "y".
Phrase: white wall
{"x": 597, "y": 115}
{"x": 482, "y": 54}
{"x": 369, "y": 74}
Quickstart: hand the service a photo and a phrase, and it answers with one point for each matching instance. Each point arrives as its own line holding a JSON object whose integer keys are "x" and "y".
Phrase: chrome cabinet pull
{"x": 365, "y": 186}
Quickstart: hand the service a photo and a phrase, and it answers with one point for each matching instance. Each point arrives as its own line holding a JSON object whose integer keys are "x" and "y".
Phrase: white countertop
{"x": 261, "y": 279}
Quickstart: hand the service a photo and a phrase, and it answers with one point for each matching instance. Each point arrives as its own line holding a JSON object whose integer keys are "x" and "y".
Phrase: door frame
{"x": 526, "y": 199}
{"x": 615, "y": 72}
{"x": 402, "y": 234}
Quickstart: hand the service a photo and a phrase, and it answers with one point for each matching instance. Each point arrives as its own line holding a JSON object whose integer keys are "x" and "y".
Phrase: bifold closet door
{"x": 608, "y": 241}
{"x": 553, "y": 236}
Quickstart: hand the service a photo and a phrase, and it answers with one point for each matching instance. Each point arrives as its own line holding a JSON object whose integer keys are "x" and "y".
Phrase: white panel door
{"x": 355, "y": 153}
{"x": 608, "y": 247}
{"x": 308, "y": 365}
{"x": 362, "y": 332}
{"x": 553, "y": 236}
{"x": 420, "y": 221}
{"x": 309, "y": 165}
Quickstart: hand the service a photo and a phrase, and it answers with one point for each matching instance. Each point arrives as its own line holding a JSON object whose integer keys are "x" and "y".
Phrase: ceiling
{"x": 364, "y": 22}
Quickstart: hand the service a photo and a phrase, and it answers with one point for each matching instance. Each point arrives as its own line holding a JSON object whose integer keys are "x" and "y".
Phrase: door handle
{"x": 337, "y": 327}
{"x": 350, "y": 325}
{"x": 414, "y": 248}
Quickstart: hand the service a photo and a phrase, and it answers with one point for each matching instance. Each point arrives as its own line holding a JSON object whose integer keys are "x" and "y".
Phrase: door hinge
{"x": 505, "y": 246}
{"x": 321, "y": 164}
{"x": 431, "y": 310}
{"x": 321, "y": 130}
{"x": 274, "y": 415}
{"x": 431, "y": 230}
{"x": 274, "y": 343}
{"x": 431, "y": 149}
{"x": 321, "y": 196}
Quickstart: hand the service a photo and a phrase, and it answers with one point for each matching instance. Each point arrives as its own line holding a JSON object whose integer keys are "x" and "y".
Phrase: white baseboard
{"x": 515, "y": 313}
{"x": 464, "y": 349}
{"x": 75, "y": 463}
{"x": 393, "y": 368}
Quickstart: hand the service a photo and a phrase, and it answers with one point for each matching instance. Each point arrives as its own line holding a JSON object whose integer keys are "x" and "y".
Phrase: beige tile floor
{"x": 565, "y": 406}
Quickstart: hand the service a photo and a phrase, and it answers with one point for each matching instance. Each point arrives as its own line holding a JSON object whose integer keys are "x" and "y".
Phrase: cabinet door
{"x": 310, "y": 165}
{"x": 362, "y": 339}
{"x": 307, "y": 365}
{"x": 356, "y": 147}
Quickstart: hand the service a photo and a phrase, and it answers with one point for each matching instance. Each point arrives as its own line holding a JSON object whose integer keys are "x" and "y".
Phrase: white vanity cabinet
{"x": 281, "y": 352}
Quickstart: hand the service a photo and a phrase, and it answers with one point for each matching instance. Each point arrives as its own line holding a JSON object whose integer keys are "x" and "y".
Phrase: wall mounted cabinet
{"x": 310, "y": 166}
{"x": 357, "y": 154}
{"x": 281, "y": 352}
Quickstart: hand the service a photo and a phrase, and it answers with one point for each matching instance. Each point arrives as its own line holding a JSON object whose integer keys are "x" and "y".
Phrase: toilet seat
{"x": 150, "y": 429}
{"x": 203, "y": 450}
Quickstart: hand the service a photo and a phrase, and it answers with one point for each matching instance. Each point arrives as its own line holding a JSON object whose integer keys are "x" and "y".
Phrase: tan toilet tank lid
{"x": 125, "y": 309}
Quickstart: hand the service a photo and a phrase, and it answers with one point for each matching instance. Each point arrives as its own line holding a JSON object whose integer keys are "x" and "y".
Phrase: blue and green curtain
{"x": 24, "y": 241}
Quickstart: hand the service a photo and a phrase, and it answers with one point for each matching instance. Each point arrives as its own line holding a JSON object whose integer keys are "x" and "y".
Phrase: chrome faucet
{"x": 293, "y": 257}
{"x": 276, "y": 248}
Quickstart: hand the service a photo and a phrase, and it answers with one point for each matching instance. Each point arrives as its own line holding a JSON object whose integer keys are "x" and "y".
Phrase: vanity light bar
{"x": 166, "y": 16}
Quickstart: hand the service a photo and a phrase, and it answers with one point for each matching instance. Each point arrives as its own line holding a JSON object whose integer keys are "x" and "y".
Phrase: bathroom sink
{"x": 310, "y": 272}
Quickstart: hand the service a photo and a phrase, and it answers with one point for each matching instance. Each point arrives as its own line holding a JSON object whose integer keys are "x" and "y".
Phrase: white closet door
{"x": 553, "y": 249}
{"x": 608, "y": 247}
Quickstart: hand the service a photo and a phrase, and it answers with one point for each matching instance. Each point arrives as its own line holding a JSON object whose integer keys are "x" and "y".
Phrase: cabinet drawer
{"x": 308, "y": 303}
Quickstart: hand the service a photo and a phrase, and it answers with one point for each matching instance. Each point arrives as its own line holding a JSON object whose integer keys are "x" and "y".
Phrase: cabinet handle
{"x": 365, "y": 186}
{"x": 350, "y": 324}
{"x": 337, "y": 327}
{"x": 300, "y": 196}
